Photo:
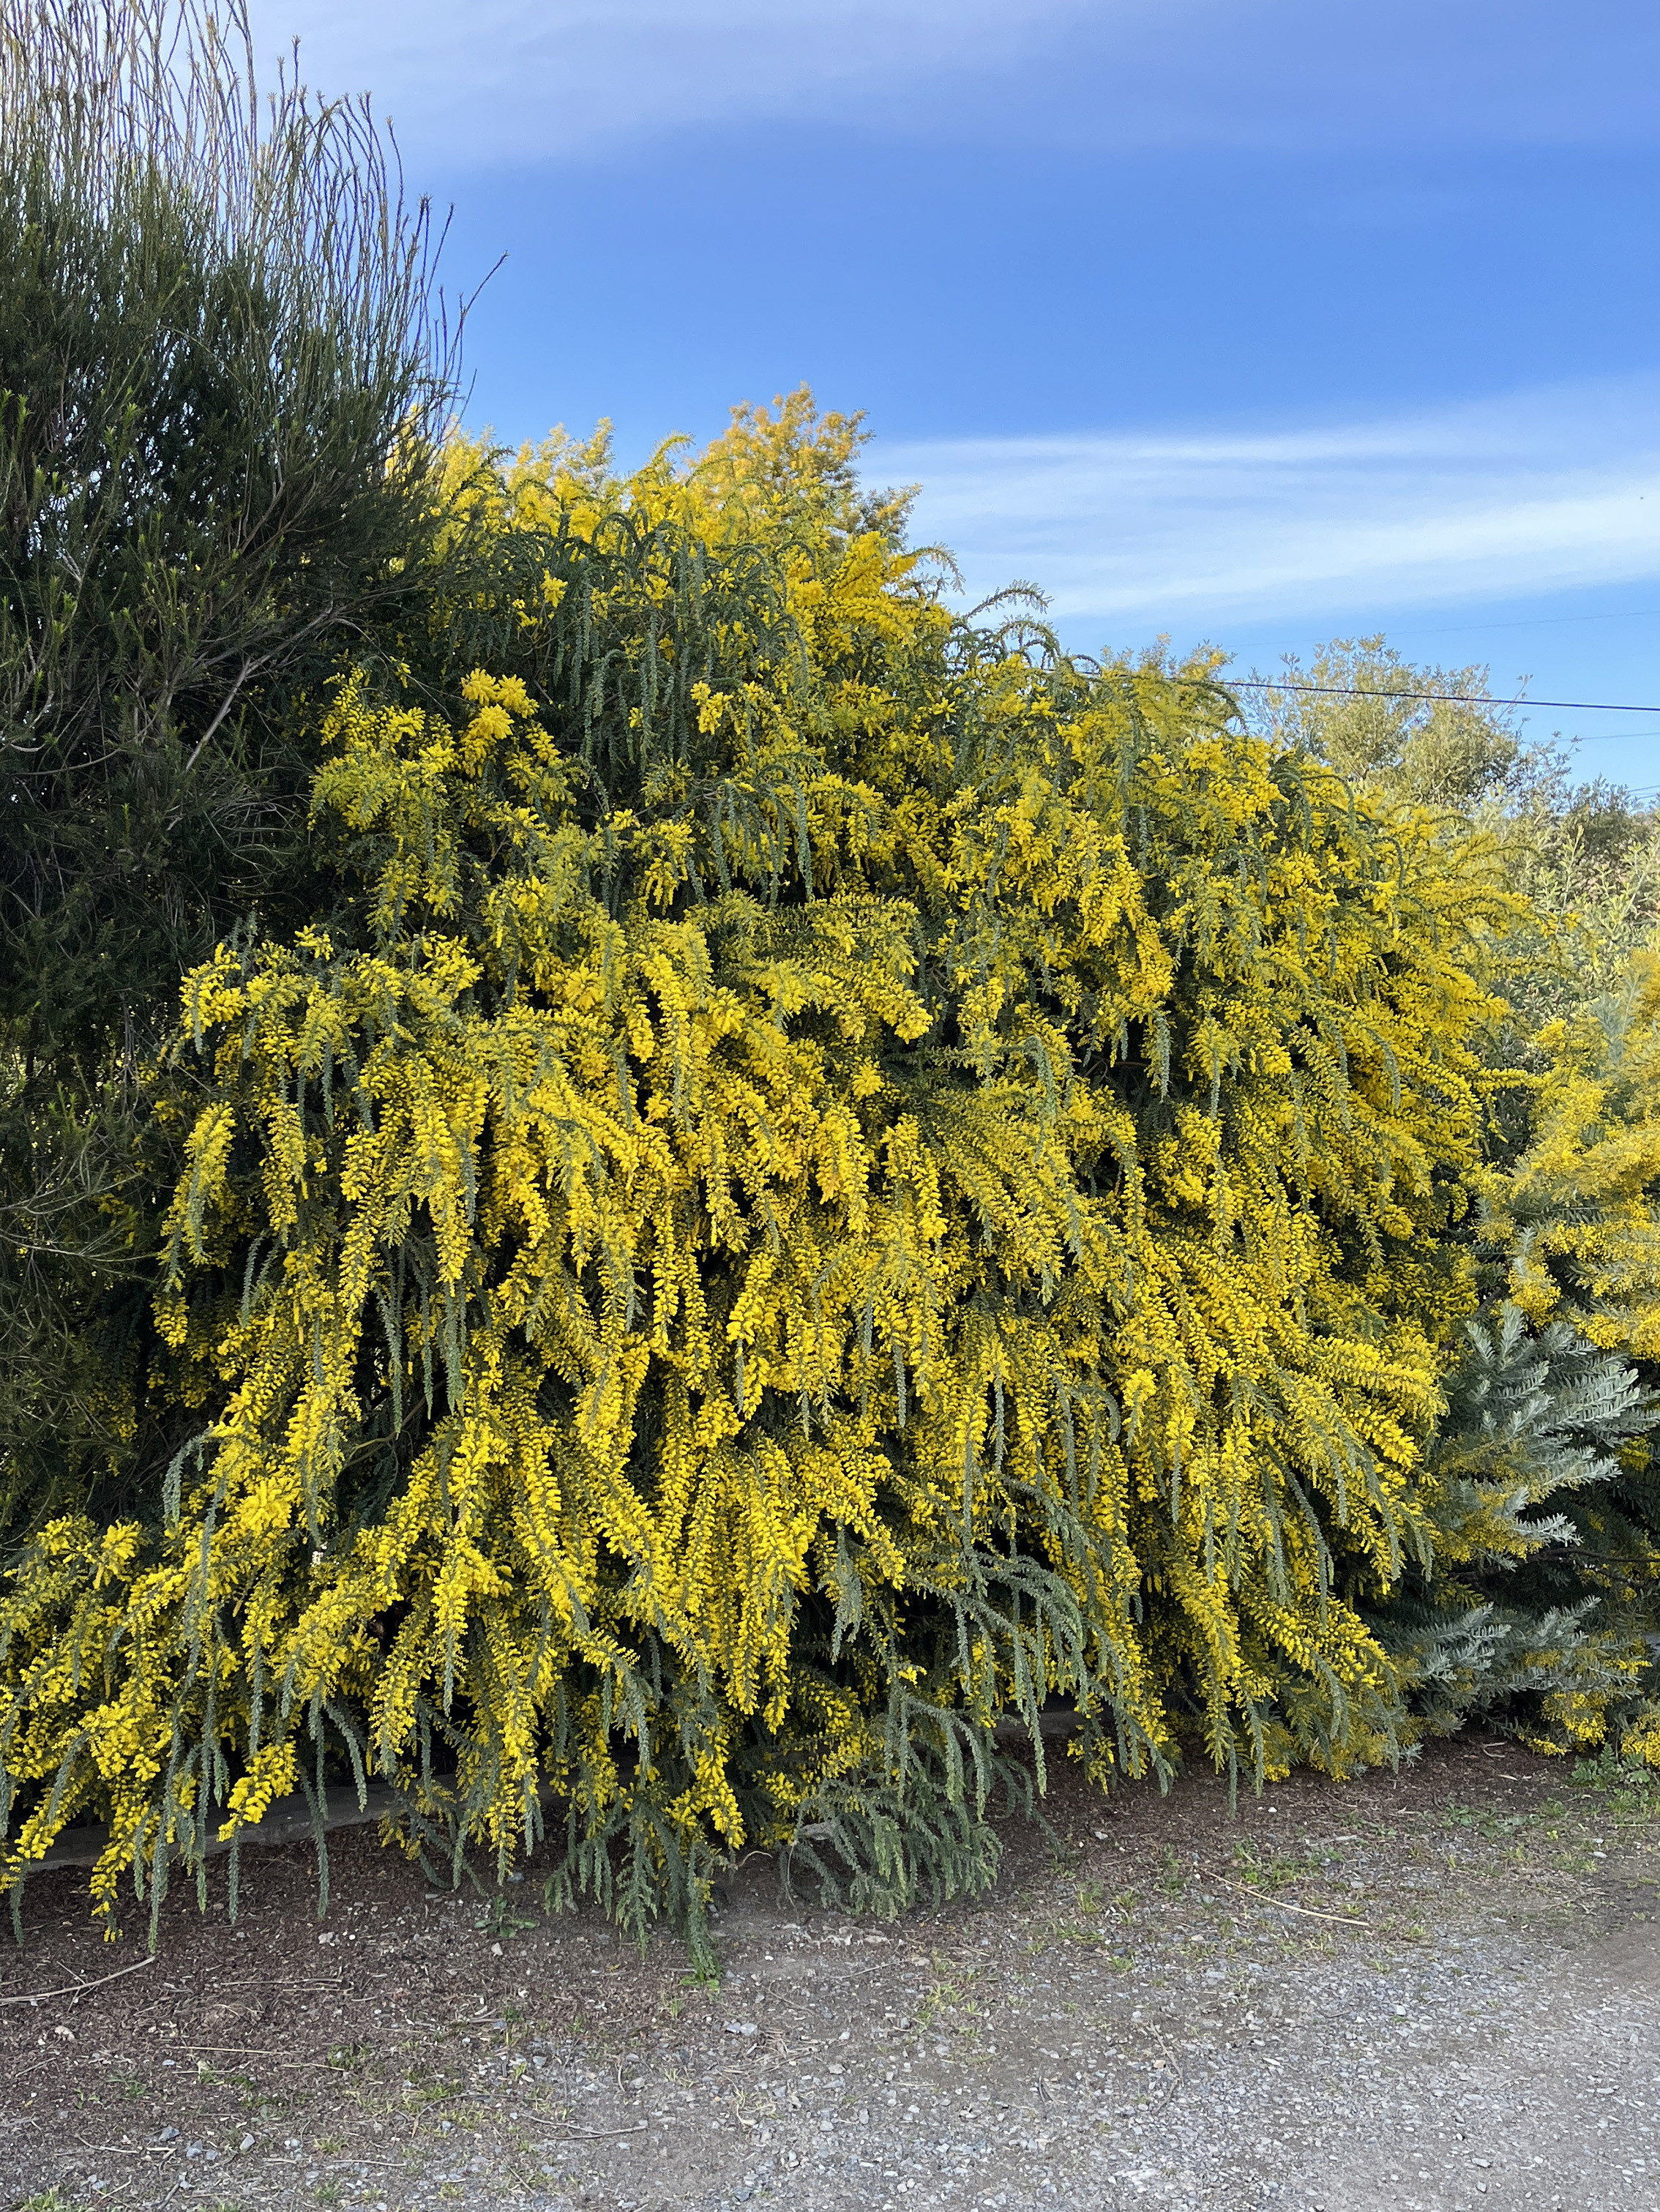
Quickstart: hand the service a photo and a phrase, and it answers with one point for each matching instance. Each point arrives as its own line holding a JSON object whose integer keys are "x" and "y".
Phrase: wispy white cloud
{"x": 500, "y": 80}
{"x": 507, "y": 80}
{"x": 1540, "y": 491}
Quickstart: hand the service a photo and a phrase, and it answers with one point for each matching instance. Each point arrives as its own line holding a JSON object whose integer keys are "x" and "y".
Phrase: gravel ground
{"x": 1433, "y": 1992}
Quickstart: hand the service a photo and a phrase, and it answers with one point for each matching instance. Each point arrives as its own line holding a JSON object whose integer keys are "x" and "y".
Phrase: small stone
{"x": 742, "y": 2027}
{"x": 168, "y": 2134}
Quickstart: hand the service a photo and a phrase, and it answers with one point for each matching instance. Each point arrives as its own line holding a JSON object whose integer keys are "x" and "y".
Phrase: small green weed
{"x": 948, "y": 1999}
{"x": 1486, "y": 1822}
{"x": 1073, "y": 1931}
{"x": 1272, "y": 1870}
{"x": 1610, "y": 1770}
{"x": 498, "y": 1920}
{"x": 426, "y": 2088}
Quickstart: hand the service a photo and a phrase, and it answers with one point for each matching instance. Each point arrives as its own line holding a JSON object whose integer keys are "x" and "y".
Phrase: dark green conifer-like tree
{"x": 219, "y": 402}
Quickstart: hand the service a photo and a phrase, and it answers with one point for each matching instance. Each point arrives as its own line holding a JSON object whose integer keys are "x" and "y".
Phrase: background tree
{"x": 1584, "y": 854}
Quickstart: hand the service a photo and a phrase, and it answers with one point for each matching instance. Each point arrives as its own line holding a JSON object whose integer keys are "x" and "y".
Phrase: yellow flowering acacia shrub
{"x": 830, "y": 1175}
{"x": 1581, "y": 1213}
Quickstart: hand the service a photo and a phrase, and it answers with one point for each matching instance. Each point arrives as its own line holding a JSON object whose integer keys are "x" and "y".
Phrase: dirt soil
{"x": 1438, "y": 1992}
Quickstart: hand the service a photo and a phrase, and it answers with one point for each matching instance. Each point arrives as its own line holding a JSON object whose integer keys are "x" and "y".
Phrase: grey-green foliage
{"x": 1359, "y": 713}
{"x": 1585, "y": 853}
{"x": 1527, "y": 1462}
{"x": 222, "y": 383}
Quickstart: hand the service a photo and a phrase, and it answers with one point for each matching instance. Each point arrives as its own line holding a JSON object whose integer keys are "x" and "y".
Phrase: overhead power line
{"x": 1454, "y": 698}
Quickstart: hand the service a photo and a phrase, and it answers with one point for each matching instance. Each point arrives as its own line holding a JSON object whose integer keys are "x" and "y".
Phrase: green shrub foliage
{"x": 219, "y": 403}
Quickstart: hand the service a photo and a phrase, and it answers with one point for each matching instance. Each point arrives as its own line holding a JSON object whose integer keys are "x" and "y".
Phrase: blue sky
{"x": 1254, "y": 321}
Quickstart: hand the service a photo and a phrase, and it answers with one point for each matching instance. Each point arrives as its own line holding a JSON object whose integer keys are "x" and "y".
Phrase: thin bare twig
{"x": 76, "y": 1990}
{"x": 127, "y": 2150}
{"x": 252, "y": 2050}
{"x": 1285, "y": 1904}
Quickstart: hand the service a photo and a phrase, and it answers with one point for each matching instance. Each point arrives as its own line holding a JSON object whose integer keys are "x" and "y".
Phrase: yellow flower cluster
{"x": 1581, "y": 1214}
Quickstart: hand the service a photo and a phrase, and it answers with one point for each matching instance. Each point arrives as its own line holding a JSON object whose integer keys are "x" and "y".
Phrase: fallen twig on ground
{"x": 76, "y": 1990}
{"x": 1285, "y": 1904}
